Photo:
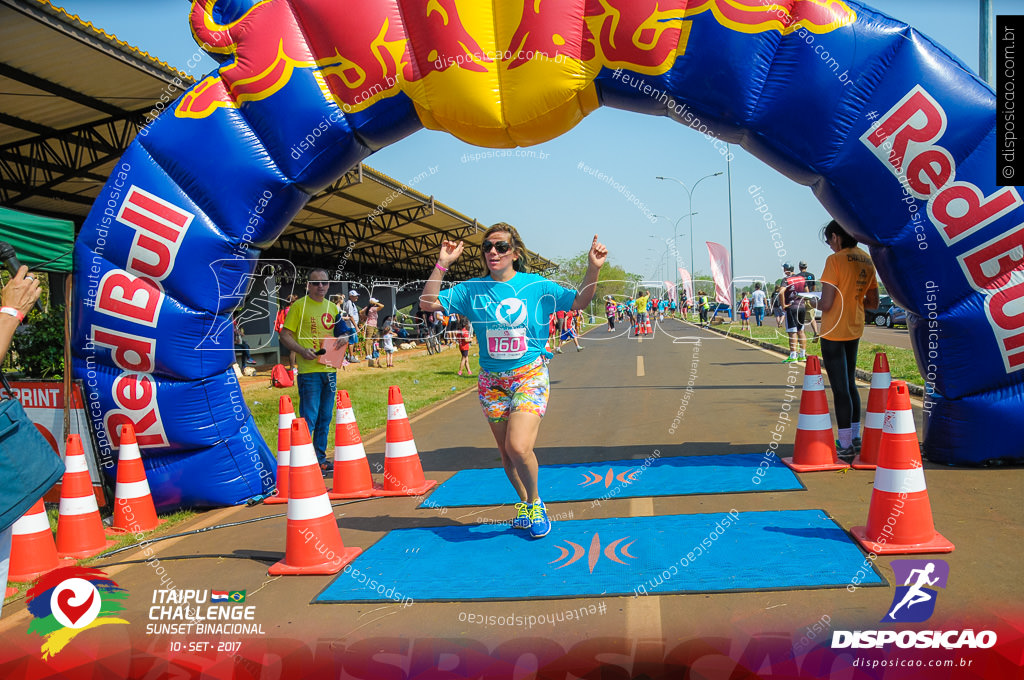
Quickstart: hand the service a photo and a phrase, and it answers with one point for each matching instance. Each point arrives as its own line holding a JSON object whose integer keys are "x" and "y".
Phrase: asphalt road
{"x": 616, "y": 399}
{"x": 896, "y": 337}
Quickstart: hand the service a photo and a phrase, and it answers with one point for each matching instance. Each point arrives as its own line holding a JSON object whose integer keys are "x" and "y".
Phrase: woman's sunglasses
{"x": 501, "y": 246}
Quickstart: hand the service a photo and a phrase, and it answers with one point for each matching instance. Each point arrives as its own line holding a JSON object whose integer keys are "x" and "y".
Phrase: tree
{"x": 613, "y": 279}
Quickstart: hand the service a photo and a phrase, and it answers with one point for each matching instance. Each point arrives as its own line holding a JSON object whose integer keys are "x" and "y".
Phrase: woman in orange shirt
{"x": 848, "y": 284}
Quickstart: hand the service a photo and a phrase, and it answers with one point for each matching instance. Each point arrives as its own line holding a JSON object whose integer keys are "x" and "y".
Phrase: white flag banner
{"x": 687, "y": 283}
{"x": 721, "y": 271}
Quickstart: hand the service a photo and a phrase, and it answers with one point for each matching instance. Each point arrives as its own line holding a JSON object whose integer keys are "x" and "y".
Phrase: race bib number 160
{"x": 506, "y": 343}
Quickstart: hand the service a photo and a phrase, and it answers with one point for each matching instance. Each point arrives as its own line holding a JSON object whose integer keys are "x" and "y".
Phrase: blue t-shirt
{"x": 509, "y": 318}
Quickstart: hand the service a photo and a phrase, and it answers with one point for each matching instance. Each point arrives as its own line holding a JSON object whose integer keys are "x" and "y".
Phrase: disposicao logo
{"x": 914, "y": 602}
{"x": 69, "y": 601}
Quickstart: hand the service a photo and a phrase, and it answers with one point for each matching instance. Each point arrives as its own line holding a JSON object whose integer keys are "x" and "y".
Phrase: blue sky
{"x": 556, "y": 207}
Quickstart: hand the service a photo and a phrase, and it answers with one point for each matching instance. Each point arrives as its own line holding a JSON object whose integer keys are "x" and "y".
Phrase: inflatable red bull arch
{"x": 894, "y": 135}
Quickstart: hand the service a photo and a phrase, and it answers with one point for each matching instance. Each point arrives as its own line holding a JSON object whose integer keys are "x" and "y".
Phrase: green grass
{"x": 423, "y": 379}
{"x": 902, "y": 364}
{"x": 170, "y": 521}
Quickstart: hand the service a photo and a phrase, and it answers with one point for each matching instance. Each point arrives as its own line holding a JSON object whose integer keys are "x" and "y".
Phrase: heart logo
{"x": 511, "y": 312}
{"x": 74, "y": 612}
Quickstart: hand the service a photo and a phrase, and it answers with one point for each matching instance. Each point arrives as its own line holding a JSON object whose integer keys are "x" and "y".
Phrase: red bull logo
{"x": 545, "y": 52}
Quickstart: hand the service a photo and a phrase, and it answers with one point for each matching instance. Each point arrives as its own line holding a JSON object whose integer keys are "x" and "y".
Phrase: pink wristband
{"x": 437, "y": 266}
{"x": 16, "y": 313}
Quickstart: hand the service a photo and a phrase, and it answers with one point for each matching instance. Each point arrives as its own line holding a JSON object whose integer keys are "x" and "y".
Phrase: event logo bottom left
{"x": 70, "y": 601}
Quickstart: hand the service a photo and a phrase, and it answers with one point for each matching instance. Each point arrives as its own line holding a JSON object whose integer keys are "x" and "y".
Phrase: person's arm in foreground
{"x": 595, "y": 260}
{"x": 20, "y": 293}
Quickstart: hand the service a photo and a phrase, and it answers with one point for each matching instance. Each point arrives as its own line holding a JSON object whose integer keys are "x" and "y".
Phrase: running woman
{"x": 571, "y": 332}
{"x": 509, "y": 311}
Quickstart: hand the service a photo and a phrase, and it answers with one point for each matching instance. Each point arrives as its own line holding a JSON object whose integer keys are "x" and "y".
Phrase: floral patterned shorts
{"x": 522, "y": 389}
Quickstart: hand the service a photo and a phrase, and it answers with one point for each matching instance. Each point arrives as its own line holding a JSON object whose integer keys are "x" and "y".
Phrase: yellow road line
{"x": 640, "y": 366}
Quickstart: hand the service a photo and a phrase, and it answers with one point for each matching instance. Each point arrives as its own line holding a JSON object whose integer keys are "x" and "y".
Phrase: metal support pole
{"x": 985, "y": 41}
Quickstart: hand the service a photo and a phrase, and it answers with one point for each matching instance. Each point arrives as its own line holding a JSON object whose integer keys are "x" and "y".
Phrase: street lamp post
{"x": 675, "y": 243}
{"x": 689, "y": 195}
{"x": 675, "y": 235}
{"x": 668, "y": 263}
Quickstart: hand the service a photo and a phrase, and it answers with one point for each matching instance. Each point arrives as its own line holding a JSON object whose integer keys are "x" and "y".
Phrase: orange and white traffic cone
{"x": 900, "y": 516}
{"x": 351, "y": 469}
{"x": 647, "y": 330}
{"x": 33, "y": 552}
{"x": 79, "y": 527}
{"x": 403, "y": 473}
{"x": 814, "y": 449}
{"x": 313, "y": 543}
{"x": 285, "y": 416}
{"x": 871, "y": 435}
{"x": 133, "y": 503}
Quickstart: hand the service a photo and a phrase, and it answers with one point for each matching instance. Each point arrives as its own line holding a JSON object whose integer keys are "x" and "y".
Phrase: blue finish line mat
{"x": 706, "y": 553}
{"x": 673, "y": 476}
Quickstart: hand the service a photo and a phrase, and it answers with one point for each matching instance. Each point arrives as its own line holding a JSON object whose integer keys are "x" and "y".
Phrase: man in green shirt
{"x": 310, "y": 320}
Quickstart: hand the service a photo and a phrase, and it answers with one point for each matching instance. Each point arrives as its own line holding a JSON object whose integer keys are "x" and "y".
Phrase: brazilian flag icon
{"x": 237, "y": 596}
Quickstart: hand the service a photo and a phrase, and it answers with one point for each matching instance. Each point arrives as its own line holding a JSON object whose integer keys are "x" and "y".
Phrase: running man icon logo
{"x": 913, "y": 602}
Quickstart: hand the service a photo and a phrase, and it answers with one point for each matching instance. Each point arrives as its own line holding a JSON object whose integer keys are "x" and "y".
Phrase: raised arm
{"x": 596, "y": 258}
{"x": 450, "y": 251}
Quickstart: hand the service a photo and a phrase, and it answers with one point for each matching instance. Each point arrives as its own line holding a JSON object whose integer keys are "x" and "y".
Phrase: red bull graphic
{"x": 261, "y": 66}
{"x": 644, "y": 36}
{"x": 541, "y": 30}
{"x": 371, "y": 57}
{"x": 785, "y": 16}
{"x": 310, "y": 87}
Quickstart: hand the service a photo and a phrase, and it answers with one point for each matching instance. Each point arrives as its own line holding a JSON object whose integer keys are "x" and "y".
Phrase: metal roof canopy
{"x": 397, "y": 235}
{"x": 73, "y": 97}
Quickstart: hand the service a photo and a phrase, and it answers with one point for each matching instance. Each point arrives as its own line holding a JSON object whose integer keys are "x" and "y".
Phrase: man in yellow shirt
{"x": 848, "y": 284}
{"x": 641, "y": 311}
{"x": 309, "y": 321}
